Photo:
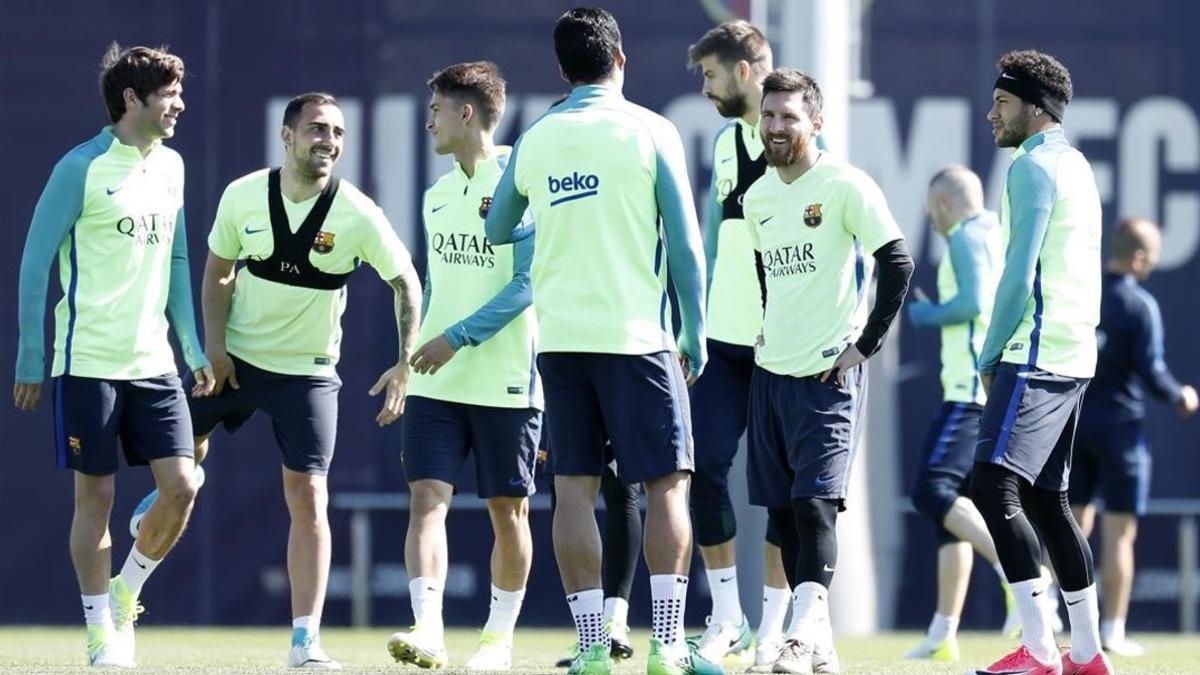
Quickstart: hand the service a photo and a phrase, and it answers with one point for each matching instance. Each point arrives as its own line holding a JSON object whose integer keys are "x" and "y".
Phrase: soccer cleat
{"x": 765, "y": 655}
{"x": 795, "y": 657}
{"x": 1099, "y": 665}
{"x": 1123, "y": 647}
{"x": 139, "y": 512}
{"x": 104, "y": 651}
{"x": 1022, "y": 662}
{"x": 943, "y": 650}
{"x": 622, "y": 648}
{"x": 494, "y": 654}
{"x": 723, "y": 638}
{"x": 309, "y": 655}
{"x": 1012, "y": 618}
{"x": 418, "y": 648}
{"x": 125, "y": 610}
{"x": 681, "y": 658}
{"x": 595, "y": 660}
{"x": 826, "y": 663}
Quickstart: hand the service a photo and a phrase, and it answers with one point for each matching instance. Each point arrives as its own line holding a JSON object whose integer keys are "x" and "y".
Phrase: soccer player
{"x": 598, "y": 173}
{"x": 819, "y": 226}
{"x": 112, "y": 214}
{"x": 966, "y": 280}
{"x": 273, "y": 333}
{"x": 1036, "y": 360}
{"x": 1112, "y": 459}
{"x": 733, "y": 58}
{"x": 476, "y": 387}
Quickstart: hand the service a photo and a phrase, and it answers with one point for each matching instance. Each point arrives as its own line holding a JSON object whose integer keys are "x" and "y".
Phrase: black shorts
{"x": 639, "y": 403}
{"x": 303, "y": 411}
{"x": 1112, "y": 462}
{"x": 148, "y": 418}
{"x": 803, "y": 434}
{"x": 440, "y": 435}
{"x": 1028, "y": 424}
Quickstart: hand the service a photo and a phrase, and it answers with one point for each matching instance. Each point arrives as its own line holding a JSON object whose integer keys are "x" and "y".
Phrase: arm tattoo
{"x": 408, "y": 309}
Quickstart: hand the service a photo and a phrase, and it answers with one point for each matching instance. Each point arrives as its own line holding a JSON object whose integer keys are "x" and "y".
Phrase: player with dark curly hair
{"x": 1036, "y": 362}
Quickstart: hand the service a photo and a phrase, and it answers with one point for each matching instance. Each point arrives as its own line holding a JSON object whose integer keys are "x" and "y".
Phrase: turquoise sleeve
{"x": 684, "y": 250}
{"x": 180, "y": 308}
{"x": 514, "y": 298}
{"x": 54, "y": 217}
{"x": 713, "y": 215}
{"x": 508, "y": 207}
{"x": 968, "y": 255}
{"x": 1031, "y": 193}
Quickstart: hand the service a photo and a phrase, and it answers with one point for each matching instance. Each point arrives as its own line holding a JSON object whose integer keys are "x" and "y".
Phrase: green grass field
{"x": 263, "y": 650}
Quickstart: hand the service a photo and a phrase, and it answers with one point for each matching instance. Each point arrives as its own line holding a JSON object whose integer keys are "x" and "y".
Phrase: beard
{"x": 731, "y": 103}
{"x": 786, "y": 155}
{"x": 1015, "y": 132}
{"x": 311, "y": 169}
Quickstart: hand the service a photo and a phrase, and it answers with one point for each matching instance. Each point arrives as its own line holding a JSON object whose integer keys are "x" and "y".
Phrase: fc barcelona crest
{"x": 485, "y": 205}
{"x": 323, "y": 242}
{"x": 812, "y": 215}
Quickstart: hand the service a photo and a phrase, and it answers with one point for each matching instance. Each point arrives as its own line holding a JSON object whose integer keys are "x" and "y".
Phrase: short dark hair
{"x": 731, "y": 42}
{"x": 1042, "y": 68}
{"x": 295, "y": 107}
{"x": 789, "y": 80}
{"x": 478, "y": 83}
{"x": 1129, "y": 237}
{"x": 586, "y": 40}
{"x": 143, "y": 69}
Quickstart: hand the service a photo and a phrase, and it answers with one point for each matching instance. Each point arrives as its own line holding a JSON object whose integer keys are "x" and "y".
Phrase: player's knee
{"x": 814, "y": 517}
{"x": 94, "y": 495}
{"x": 932, "y": 498}
{"x": 944, "y": 537}
{"x": 714, "y": 525}
{"x": 772, "y": 534}
{"x": 307, "y": 496}
{"x": 178, "y": 492}
{"x": 508, "y": 514}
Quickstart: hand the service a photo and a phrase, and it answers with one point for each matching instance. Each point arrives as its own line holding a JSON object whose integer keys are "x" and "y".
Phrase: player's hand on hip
{"x": 1188, "y": 400}
{"x": 205, "y": 382}
{"x": 849, "y": 358}
{"x": 222, "y": 372}
{"x": 394, "y": 381}
{"x": 432, "y": 355}
{"x": 27, "y": 395}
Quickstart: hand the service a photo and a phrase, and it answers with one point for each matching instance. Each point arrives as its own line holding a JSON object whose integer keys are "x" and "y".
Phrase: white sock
{"x": 942, "y": 627}
{"x": 425, "y": 594}
{"x": 587, "y": 608}
{"x": 726, "y": 605}
{"x": 1035, "y": 618}
{"x": 617, "y": 609}
{"x": 1084, "y": 611}
{"x": 1000, "y": 572}
{"x": 136, "y": 570}
{"x": 1112, "y": 630}
{"x": 305, "y": 630}
{"x": 96, "y": 611}
{"x": 775, "y": 607}
{"x": 668, "y": 594}
{"x": 502, "y": 618}
{"x": 810, "y": 606}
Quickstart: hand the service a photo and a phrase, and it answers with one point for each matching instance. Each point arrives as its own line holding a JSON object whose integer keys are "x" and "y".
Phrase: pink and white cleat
{"x": 1023, "y": 662}
{"x": 1099, "y": 665}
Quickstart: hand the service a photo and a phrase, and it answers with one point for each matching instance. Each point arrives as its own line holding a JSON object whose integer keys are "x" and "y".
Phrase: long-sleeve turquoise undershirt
{"x": 506, "y": 305}
{"x": 968, "y": 255}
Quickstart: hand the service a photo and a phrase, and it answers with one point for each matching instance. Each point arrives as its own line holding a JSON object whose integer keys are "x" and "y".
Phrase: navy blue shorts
{"x": 949, "y": 451}
{"x": 803, "y": 434}
{"x": 639, "y": 403}
{"x": 1112, "y": 462}
{"x": 439, "y": 435}
{"x": 148, "y": 418}
{"x": 720, "y": 401}
{"x": 1028, "y": 424}
{"x": 303, "y": 411}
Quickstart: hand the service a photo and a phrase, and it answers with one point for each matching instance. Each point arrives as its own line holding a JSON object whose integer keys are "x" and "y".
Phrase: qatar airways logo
{"x": 148, "y": 229}
{"x": 573, "y": 186}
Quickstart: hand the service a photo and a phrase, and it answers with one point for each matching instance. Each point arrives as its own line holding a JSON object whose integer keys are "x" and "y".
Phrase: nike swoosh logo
{"x": 437, "y": 208}
{"x": 827, "y": 568}
{"x": 727, "y": 159}
{"x": 1006, "y": 76}
{"x": 824, "y": 480}
{"x": 250, "y": 231}
{"x": 1072, "y": 604}
{"x": 997, "y": 672}
{"x": 764, "y": 221}
{"x": 516, "y": 482}
{"x": 1010, "y": 516}
{"x": 1037, "y": 593}
{"x": 88, "y": 607}
{"x": 135, "y": 562}
{"x": 113, "y": 191}
{"x": 726, "y": 580}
